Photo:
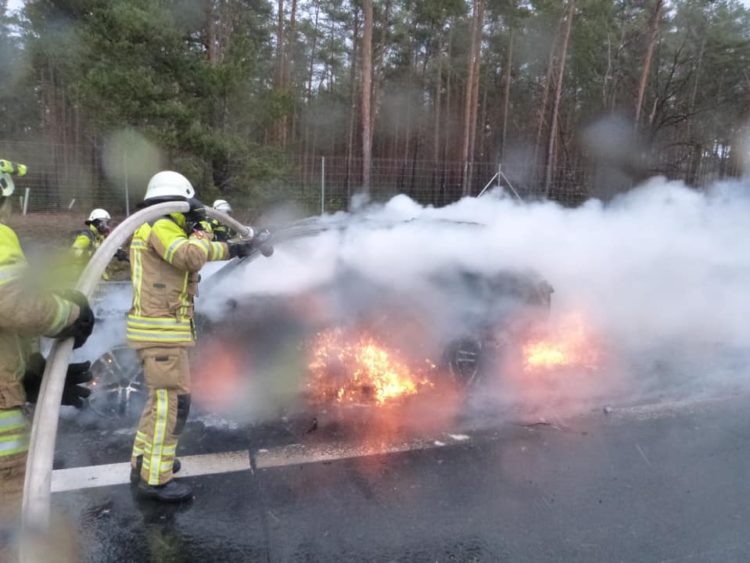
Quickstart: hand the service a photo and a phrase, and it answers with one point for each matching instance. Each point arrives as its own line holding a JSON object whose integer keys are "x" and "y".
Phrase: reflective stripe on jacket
{"x": 14, "y": 432}
{"x": 164, "y": 263}
{"x": 24, "y": 315}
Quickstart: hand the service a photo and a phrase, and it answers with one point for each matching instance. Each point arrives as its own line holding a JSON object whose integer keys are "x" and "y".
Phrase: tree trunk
{"x": 288, "y": 125}
{"x": 213, "y": 58}
{"x": 697, "y": 148}
{"x": 280, "y": 46}
{"x": 558, "y": 95}
{"x": 622, "y": 21}
{"x": 366, "y": 95}
{"x": 436, "y": 105}
{"x": 353, "y": 102}
{"x": 471, "y": 96}
{"x": 694, "y": 93}
{"x": 447, "y": 129}
{"x": 542, "y": 116}
{"x": 313, "y": 52}
{"x": 481, "y": 131}
{"x": 280, "y": 124}
{"x": 653, "y": 26}
{"x": 506, "y": 94}
{"x": 307, "y": 156}
{"x": 475, "y": 88}
{"x": 290, "y": 40}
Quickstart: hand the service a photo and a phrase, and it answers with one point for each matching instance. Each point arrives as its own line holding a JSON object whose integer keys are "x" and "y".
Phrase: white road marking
{"x": 89, "y": 477}
{"x": 119, "y": 473}
{"x": 210, "y": 464}
{"x": 298, "y": 454}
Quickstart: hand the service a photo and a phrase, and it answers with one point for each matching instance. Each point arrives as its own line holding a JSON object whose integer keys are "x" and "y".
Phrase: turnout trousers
{"x": 14, "y": 445}
{"x": 167, "y": 374}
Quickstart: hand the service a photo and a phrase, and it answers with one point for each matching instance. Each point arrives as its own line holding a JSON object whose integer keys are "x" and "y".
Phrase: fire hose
{"x": 36, "y": 492}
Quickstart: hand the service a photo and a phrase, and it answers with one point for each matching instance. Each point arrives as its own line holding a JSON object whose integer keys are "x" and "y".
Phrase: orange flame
{"x": 569, "y": 344}
{"x": 217, "y": 373}
{"x": 357, "y": 368}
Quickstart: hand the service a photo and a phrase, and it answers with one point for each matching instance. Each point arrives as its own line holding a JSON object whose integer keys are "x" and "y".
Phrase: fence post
{"x": 322, "y": 185}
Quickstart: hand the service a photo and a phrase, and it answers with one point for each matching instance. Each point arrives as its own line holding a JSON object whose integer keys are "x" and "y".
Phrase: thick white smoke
{"x": 661, "y": 273}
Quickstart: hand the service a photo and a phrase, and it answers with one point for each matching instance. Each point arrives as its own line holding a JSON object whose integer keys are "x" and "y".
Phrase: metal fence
{"x": 331, "y": 183}
{"x": 70, "y": 178}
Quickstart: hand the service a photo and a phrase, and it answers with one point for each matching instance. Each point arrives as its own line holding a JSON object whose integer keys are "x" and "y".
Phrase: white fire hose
{"x": 36, "y": 491}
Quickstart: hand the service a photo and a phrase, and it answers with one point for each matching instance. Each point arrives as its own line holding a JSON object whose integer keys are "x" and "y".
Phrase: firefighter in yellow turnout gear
{"x": 221, "y": 232}
{"x": 91, "y": 238}
{"x": 165, "y": 258}
{"x": 88, "y": 240}
{"x": 26, "y": 313}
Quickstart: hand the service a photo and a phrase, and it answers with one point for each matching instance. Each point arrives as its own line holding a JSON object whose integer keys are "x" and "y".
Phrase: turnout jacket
{"x": 164, "y": 264}
{"x": 221, "y": 232}
{"x": 86, "y": 242}
{"x": 24, "y": 315}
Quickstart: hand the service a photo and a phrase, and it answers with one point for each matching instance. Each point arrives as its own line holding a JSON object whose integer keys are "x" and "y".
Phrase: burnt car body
{"x": 447, "y": 322}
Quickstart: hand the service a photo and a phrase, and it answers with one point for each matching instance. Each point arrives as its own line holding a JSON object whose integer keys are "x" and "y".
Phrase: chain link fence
{"x": 71, "y": 178}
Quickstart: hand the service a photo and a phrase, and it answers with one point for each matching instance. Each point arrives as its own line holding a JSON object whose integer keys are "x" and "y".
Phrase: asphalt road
{"x": 655, "y": 483}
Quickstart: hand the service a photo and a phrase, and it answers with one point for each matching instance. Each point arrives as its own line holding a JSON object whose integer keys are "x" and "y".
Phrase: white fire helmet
{"x": 222, "y": 205}
{"x": 100, "y": 214}
{"x": 7, "y": 186}
{"x": 168, "y": 184}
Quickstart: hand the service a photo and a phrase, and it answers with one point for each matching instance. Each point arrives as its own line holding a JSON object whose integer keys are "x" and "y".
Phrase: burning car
{"x": 362, "y": 313}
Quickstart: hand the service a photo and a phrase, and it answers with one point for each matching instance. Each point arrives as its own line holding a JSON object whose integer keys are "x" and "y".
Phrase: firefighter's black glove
{"x": 83, "y": 326}
{"x": 73, "y": 392}
{"x": 240, "y": 249}
{"x": 122, "y": 255}
{"x": 221, "y": 234}
{"x": 259, "y": 242}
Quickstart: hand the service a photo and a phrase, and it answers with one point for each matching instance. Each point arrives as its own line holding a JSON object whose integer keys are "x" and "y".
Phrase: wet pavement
{"x": 656, "y": 483}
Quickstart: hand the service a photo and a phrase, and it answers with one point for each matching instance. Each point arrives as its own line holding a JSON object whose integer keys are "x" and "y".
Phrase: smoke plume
{"x": 659, "y": 274}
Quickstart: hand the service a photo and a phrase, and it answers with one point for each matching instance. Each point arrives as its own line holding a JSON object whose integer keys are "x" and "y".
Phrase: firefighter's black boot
{"x": 173, "y": 491}
{"x": 135, "y": 472}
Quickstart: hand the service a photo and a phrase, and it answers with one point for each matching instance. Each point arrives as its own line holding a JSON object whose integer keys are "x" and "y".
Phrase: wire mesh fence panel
{"x": 61, "y": 177}
{"x": 70, "y": 177}
{"x": 439, "y": 183}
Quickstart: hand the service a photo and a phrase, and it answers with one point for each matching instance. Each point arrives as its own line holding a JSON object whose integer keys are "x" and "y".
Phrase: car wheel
{"x": 117, "y": 388}
{"x": 463, "y": 358}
